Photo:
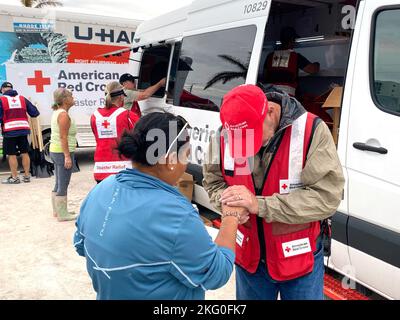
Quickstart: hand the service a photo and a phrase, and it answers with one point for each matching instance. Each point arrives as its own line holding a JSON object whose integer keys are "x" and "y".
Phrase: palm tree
{"x": 41, "y": 3}
{"x": 229, "y": 75}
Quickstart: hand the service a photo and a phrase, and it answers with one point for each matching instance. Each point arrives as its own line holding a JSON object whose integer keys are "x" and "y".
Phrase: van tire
{"x": 46, "y": 146}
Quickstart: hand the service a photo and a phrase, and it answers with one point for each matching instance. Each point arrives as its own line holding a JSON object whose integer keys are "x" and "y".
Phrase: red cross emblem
{"x": 287, "y": 249}
{"x": 105, "y": 124}
{"x": 39, "y": 81}
{"x": 14, "y": 100}
{"x": 284, "y": 186}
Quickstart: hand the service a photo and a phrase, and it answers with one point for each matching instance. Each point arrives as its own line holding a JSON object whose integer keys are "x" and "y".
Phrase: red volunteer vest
{"x": 14, "y": 113}
{"x": 281, "y": 70}
{"x": 108, "y": 126}
{"x": 289, "y": 248}
{"x": 136, "y": 109}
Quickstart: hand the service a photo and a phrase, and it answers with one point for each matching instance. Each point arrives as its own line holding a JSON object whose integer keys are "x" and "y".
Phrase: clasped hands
{"x": 240, "y": 199}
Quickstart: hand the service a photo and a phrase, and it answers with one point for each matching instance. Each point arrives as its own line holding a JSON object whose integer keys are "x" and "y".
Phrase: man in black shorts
{"x": 14, "y": 111}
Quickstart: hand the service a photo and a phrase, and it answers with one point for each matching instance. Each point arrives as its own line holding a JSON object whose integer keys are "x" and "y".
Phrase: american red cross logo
{"x": 287, "y": 249}
{"x": 105, "y": 124}
{"x": 39, "y": 81}
{"x": 284, "y": 186}
{"x": 14, "y": 100}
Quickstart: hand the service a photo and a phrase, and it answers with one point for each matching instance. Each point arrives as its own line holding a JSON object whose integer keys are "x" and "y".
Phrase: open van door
{"x": 373, "y": 150}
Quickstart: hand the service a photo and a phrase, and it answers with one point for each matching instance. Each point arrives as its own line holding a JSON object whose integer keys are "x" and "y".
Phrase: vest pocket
{"x": 294, "y": 255}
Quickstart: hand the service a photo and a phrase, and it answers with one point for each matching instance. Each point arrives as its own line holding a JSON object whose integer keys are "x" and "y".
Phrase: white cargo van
{"x": 210, "y": 46}
{"x": 42, "y": 49}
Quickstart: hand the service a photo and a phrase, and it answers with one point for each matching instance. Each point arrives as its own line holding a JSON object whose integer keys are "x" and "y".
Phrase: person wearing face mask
{"x": 141, "y": 237}
{"x": 108, "y": 124}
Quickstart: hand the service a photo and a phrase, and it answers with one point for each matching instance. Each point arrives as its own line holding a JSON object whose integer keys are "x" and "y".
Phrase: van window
{"x": 386, "y": 73}
{"x": 154, "y": 67}
{"x": 210, "y": 65}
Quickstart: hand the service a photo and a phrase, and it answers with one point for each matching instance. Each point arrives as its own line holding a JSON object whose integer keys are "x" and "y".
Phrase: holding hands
{"x": 240, "y": 196}
{"x": 240, "y": 213}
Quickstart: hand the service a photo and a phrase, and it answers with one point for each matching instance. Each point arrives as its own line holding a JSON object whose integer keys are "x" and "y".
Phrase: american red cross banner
{"x": 87, "y": 82}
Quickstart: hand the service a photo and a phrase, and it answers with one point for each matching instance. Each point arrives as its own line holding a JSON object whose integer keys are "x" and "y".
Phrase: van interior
{"x": 154, "y": 67}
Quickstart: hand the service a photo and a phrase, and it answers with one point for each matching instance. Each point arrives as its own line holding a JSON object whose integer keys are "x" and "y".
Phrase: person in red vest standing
{"x": 108, "y": 124}
{"x": 279, "y": 163}
{"x": 14, "y": 111}
{"x": 282, "y": 66}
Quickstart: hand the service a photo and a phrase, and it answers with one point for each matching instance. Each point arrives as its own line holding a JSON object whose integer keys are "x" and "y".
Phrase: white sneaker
{"x": 11, "y": 180}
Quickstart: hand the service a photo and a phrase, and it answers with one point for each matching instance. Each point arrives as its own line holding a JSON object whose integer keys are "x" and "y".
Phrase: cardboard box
{"x": 334, "y": 101}
{"x": 186, "y": 185}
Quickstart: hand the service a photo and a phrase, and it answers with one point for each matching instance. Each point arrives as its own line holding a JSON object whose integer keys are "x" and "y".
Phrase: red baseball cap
{"x": 242, "y": 115}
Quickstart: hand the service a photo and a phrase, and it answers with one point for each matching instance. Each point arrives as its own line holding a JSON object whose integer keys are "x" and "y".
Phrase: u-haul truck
{"x": 43, "y": 49}
{"x": 210, "y": 46}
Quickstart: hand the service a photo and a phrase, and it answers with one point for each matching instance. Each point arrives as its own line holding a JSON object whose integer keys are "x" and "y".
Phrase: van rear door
{"x": 373, "y": 150}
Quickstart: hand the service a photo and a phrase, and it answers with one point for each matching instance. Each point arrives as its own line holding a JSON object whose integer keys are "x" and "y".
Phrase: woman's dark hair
{"x": 135, "y": 144}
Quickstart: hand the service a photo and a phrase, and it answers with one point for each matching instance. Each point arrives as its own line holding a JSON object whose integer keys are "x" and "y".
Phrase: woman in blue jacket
{"x": 141, "y": 237}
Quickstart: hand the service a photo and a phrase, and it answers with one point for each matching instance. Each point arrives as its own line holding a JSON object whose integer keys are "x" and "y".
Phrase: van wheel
{"x": 46, "y": 146}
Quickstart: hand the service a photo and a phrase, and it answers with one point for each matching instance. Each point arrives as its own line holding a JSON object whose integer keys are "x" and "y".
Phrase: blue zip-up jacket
{"x": 30, "y": 109}
{"x": 142, "y": 239}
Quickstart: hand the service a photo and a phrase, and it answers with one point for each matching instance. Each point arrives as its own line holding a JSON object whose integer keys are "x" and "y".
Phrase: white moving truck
{"x": 43, "y": 49}
{"x": 210, "y": 46}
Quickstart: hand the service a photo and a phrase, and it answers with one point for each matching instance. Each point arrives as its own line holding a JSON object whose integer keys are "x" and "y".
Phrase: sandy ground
{"x": 37, "y": 258}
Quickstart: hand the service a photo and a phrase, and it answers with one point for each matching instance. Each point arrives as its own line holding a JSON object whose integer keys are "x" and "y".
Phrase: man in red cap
{"x": 279, "y": 163}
